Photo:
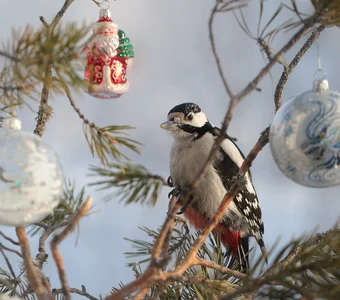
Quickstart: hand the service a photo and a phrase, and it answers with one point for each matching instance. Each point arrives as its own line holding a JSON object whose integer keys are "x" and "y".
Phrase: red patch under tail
{"x": 229, "y": 238}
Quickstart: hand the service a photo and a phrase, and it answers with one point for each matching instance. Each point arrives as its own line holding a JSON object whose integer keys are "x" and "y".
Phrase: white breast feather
{"x": 186, "y": 161}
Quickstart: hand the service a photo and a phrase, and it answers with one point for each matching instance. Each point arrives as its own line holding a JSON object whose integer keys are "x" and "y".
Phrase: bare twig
{"x": 42, "y": 255}
{"x": 288, "y": 70}
{"x": 7, "y": 238}
{"x": 43, "y": 21}
{"x": 81, "y": 292}
{"x": 174, "y": 206}
{"x": 10, "y": 250}
{"x": 31, "y": 271}
{"x": 47, "y": 233}
{"x": 214, "y": 50}
{"x": 60, "y": 14}
{"x": 58, "y": 238}
{"x": 253, "y": 84}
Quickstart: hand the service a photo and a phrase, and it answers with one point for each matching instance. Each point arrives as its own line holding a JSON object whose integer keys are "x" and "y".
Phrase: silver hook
{"x": 320, "y": 74}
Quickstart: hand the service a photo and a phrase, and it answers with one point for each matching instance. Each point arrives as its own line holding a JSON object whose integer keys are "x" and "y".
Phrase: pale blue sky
{"x": 174, "y": 64}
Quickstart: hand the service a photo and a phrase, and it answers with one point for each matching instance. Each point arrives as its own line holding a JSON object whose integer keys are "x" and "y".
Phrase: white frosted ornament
{"x": 304, "y": 137}
{"x": 31, "y": 177}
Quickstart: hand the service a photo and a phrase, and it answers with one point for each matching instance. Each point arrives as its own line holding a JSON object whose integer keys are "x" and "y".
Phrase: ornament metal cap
{"x": 321, "y": 85}
{"x": 104, "y": 13}
{"x": 11, "y": 123}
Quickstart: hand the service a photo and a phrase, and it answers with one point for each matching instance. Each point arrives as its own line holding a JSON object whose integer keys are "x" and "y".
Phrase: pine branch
{"x": 45, "y": 111}
{"x": 70, "y": 203}
{"x": 133, "y": 183}
{"x": 103, "y": 141}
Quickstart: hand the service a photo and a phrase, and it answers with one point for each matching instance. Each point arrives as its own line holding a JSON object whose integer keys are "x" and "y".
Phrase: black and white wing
{"x": 228, "y": 165}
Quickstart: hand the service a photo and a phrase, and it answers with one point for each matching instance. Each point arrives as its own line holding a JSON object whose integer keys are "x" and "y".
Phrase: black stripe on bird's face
{"x": 197, "y": 131}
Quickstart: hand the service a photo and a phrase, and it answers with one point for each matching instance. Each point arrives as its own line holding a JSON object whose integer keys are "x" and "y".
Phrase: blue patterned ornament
{"x": 304, "y": 137}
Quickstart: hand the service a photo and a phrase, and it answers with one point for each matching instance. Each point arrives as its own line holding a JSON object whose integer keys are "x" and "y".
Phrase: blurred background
{"x": 174, "y": 64}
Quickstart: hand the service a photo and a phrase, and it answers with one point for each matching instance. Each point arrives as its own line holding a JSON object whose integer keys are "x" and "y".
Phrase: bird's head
{"x": 186, "y": 119}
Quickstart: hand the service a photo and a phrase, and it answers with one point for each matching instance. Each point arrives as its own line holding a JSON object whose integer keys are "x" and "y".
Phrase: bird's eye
{"x": 172, "y": 119}
{"x": 190, "y": 117}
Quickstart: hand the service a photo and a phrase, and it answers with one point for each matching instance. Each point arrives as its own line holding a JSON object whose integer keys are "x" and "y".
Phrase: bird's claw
{"x": 174, "y": 193}
{"x": 180, "y": 196}
{"x": 185, "y": 206}
{"x": 170, "y": 182}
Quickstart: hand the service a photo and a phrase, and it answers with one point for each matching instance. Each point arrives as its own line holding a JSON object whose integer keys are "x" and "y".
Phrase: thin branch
{"x": 42, "y": 255}
{"x": 43, "y": 21}
{"x": 212, "y": 265}
{"x": 288, "y": 70}
{"x": 141, "y": 294}
{"x": 9, "y": 56}
{"x": 214, "y": 50}
{"x": 143, "y": 281}
{"x": 174, "y": 207}
{"x": 58, "y": 238}
{"x": 253, "y": 84}
{"x": 77, "y": 110}
{"x": 81, "y": 292}
{"x": 60, "y": 14}
{"x": 7, "y": 262}
{"x": 47, "y": 233}
{"x": 31, "y": 271}
{"x": 9, "y": 239}
{"x": 10, "y": 250}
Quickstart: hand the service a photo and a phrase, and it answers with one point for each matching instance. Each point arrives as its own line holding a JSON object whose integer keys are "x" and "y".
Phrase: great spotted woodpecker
{"x": 193, "y": 138}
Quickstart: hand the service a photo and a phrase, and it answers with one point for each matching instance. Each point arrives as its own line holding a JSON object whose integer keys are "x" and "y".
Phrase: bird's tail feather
{"x": 243, "y": 254}
{"x": 263, "y": 249}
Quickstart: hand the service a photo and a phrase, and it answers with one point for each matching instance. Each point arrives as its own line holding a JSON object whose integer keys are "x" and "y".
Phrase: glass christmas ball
{"x": 106, "y": 58}
{"x": 304, "y": 137}
{"x": 31, "y": 178}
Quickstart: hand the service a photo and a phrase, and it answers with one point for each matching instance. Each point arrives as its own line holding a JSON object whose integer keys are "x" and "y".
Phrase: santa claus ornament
{"x": 106, "y": 58}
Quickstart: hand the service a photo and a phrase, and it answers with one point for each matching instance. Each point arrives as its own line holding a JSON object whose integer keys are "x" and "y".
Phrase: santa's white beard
{"x": 106, "y": 45}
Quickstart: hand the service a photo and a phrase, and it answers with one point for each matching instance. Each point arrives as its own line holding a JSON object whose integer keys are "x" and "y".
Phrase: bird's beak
{"x": 168, "y": 125}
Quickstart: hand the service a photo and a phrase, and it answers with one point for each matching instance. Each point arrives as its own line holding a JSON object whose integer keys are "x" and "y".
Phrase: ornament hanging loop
{"x": 320, "y": 82}
{"x": 105, "y": 4}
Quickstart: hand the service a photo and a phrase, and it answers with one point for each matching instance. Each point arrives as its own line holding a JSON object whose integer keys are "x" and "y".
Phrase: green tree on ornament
{"x": 125, "y": 49}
